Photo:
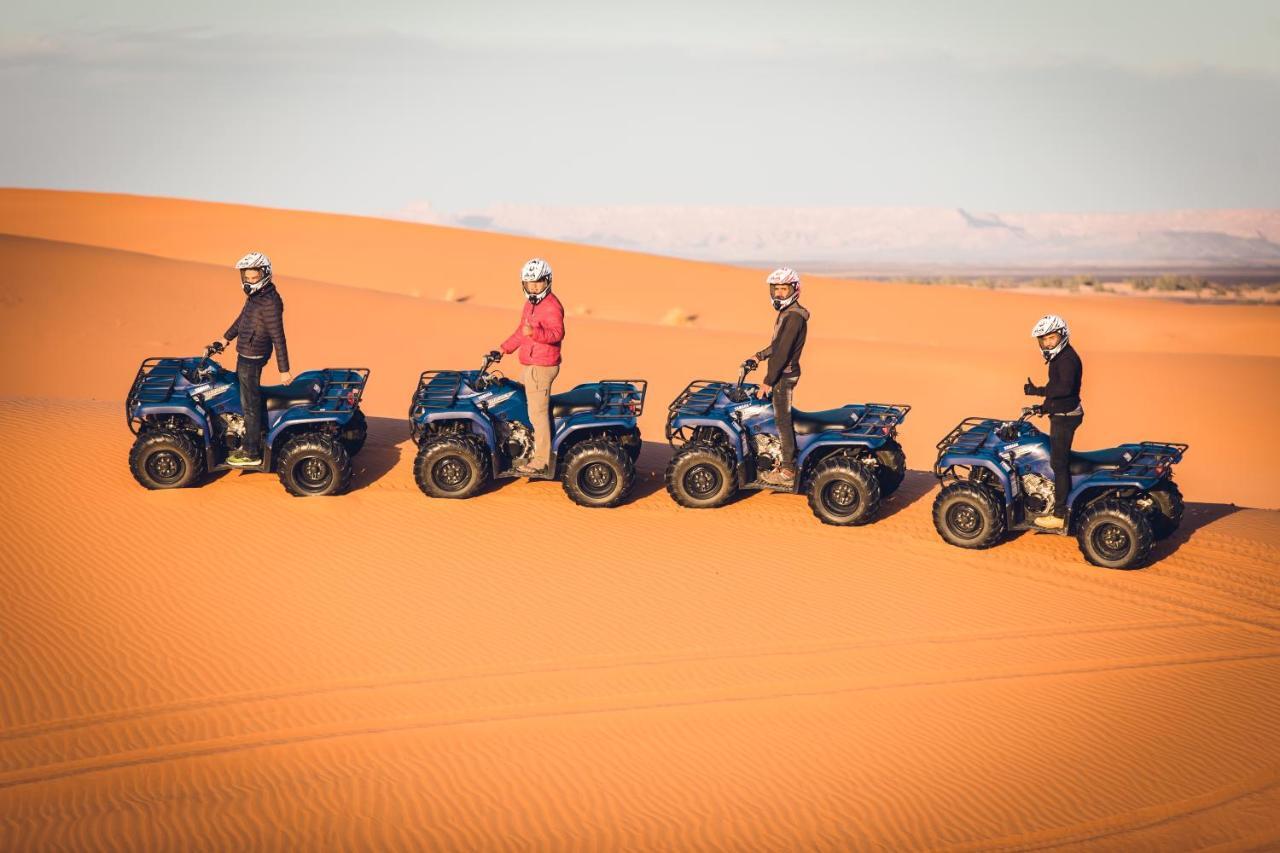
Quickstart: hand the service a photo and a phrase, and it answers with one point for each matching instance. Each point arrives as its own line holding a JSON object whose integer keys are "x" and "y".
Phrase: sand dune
{"x": 229, "y": 667}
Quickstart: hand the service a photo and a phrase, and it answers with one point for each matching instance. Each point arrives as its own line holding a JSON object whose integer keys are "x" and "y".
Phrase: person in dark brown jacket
{"x": 258, "y": 330}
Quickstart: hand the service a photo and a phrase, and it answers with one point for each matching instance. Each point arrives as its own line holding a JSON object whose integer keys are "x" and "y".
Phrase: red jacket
{"x": 542, "y": 347}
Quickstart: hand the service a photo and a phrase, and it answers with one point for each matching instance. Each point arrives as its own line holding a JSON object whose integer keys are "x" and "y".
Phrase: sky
{"x": 370, "y": 108}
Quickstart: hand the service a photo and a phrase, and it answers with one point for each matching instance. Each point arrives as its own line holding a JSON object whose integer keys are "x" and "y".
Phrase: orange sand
{"x": 381, "y": 670}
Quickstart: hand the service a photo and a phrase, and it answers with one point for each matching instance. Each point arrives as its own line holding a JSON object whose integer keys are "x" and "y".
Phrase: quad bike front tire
{"x": 450, "y": 466}
{"x": 598, "y": 473}
{"x": 165, "y": 459}
{"x": 701, "y": 476}
{"x": 969, "y": 515}
{"x": 844, "y": 492}
{"x": 355, "y": 432}
{"x": 1115, "y": 534}
{"x": 314, "y": 465}
{"x": 1169, "y": 508}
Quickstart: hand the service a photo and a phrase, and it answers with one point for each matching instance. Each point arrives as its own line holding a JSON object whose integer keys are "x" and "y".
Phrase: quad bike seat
{"x": 300, "y": 392}
{"x": 831, "y": 420}
{"x": 1088, "y": 461}
{"x": 584, "y": 398}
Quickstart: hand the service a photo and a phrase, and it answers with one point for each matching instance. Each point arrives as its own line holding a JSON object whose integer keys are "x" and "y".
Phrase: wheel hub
{"x": 597, "y": 479}
{"x": 165, "y": 466}
{"x": 1112, "y": 540}
{"x": 702, "y": 480}
{"x": 451, "y": 473}
{"x": 313, "y": 473}
{"x": 964, "y": 520}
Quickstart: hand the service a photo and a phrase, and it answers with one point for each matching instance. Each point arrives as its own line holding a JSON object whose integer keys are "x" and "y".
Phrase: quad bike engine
{"x": 768, "y": 450}
{"x": 1038, "y": 493}
{"x": 230, "y": 429}
{"x": 517, "y": 440}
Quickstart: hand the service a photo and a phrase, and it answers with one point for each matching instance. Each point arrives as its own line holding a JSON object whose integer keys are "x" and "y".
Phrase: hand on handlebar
{"x": 750, "y": 364}
{"x": 494, "y": 355}
{"x": 1033, "y": 411}
{"x": 214, "y": 348}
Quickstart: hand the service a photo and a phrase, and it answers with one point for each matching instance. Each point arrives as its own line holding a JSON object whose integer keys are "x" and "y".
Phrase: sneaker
{"x": 525, "y": 471}
{"x": 240, "y": 459}
{"x": 1050, "y": 522}
{"x": 779, "y": 477}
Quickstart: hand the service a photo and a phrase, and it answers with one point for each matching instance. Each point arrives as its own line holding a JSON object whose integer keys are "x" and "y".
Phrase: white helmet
{"x": 535, "y": 270}
{"x": 254, "y": 261}
{"x": 1047, "y": 325}
{"x": 786, "y": 276}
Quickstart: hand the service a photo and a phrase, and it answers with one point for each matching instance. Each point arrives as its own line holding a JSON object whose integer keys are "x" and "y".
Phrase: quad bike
{"x": 847, "y": 459}
{"x": 996, "y": 478}
{"x": 472, "y": 426}
{"x": 186, "y": 414}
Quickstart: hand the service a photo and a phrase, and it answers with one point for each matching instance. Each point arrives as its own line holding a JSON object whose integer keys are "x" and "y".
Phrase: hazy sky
{"x": 994, "y": 105}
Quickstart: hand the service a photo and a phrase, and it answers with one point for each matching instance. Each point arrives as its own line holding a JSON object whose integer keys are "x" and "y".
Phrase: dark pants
{"x": 782, "y": 394}
{"x": 249, "y": 374}
{"x": 1062, "y": 428}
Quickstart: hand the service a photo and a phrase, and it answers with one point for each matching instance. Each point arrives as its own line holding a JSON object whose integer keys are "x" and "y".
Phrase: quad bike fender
{"x": 479, "y": 425}
{"x": 998, "y": 471}
{"x": 573, "y": 428}
{"x": 183, "y": 409}
{"x": 732, "y": 432}
{"x": 823, "y": 443}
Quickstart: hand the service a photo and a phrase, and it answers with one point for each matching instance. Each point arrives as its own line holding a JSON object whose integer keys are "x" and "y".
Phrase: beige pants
{"x": 537, "y": 389}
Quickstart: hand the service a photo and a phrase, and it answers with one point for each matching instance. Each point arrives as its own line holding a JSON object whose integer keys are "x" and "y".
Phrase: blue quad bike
{"x": 186, "y": 414}
{"x": 472, "y": 426}
{"x": 847, "y": 459}
{"x": 996, "y": 478}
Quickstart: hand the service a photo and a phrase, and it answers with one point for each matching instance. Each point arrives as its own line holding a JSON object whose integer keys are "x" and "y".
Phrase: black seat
{"x": 300, "y": 392}
{"x": 826, "y": 421}
{"x": 1088, "y": 461}
{"x": 584, "y": 398}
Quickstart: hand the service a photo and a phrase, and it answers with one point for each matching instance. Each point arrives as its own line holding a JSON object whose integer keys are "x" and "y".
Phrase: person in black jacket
{"x": 783, "y": 371}
{"x": 259, "y": 328}
{"x": 1062, "y": 405}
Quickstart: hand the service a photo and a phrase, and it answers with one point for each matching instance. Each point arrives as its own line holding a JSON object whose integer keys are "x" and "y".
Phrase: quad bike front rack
{"x": 152, "y": 385}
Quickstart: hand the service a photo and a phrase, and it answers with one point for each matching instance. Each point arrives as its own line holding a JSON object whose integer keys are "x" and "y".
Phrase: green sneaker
{"x": 238, "y": 458}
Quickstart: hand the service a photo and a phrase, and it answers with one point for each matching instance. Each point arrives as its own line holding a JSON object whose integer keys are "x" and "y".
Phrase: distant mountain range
{"x": 898, "y": 236}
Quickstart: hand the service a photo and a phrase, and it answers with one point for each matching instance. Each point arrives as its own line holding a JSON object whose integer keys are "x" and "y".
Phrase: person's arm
{"x": 512, "y": 343}
{"x": 275, "y": 328}
{"x": 234, "y": 328}
{"x": 780, "y": 350}
{"x": 1032, "y": 390}
{"x": 548, "y": 328}
{"x": 764, "y": 354}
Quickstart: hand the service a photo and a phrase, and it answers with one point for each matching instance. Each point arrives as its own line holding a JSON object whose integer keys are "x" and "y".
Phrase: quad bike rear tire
{"x": 450, "y": 466}
{"x": 969, "y": 515}
{"x": 314, "y": 464}
{"x": 702, "y": 476}
{"x": 355, "y": 432}
{"x": 891, "y": 469}
{"x": 843, "y": 492}
{"x": 598, "y": 473}
{"x": 1114, "y": 534}
{"x": 1169, "y": 508}
{"x": 165, "y": 459}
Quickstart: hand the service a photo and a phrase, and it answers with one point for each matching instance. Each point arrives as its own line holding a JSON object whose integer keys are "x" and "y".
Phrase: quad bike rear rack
{"x": 622, "y": 397}
{"x": 342, "y": 389}
{"x": 879, "y": 420}
{"x": 1154, "y": 459}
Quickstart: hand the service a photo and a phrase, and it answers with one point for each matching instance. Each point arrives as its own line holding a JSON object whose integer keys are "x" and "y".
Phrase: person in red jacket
{"x": 538, "y": 339}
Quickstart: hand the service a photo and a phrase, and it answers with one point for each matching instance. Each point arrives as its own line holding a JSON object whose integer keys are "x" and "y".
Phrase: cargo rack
{"x": 879, "y": 420}
{"x": 622, "y": 397}
{"x": 152, "y": 385}
{"x": 1153, "y": 459}
{"x": 340, "y": 394}
{"x": 696, "y": 400}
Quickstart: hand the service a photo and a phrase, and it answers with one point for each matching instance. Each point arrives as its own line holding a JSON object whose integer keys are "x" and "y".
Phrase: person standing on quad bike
{"x": 538, "y": 339}
{"x": 1062, "y": 405}
{"x": 783, "y": 371}
{"x": 260, "y": 329}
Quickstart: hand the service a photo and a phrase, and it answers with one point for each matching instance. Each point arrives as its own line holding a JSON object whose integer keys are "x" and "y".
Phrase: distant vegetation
{"x": 1167, "y": 284}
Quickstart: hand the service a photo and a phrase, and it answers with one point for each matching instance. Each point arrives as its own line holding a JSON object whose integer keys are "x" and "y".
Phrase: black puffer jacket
{"x": 260, "y": 327}
{"x": 789, "y": 334}
{"x": 1062, "y": 394}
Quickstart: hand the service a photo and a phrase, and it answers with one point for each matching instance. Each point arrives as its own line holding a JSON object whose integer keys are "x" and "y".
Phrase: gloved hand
{"x": 1030, "y": 387}
{"x": 215, "y": 347}
{"x": 495, "y": 355}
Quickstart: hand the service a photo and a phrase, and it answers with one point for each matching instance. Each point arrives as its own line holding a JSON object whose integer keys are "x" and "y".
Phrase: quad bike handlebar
{"x": 746, "y": 367}
{"x": 485, "y": 377}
